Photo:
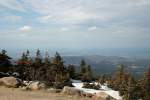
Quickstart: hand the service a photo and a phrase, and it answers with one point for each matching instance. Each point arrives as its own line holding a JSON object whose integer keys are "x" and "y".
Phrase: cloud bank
{"x": 72, "y": 24}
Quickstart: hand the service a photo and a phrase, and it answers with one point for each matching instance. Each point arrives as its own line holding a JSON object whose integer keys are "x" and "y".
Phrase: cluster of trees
{"x": 53, "y": 72}
{"x": 130, "y": 88}
{"x": 49, "y": 70}
{"x": 85, "y": 72}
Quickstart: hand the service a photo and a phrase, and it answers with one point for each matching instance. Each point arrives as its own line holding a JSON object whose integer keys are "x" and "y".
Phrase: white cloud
{"x": 138, "y": 3}
{"x": 73, "y": 16}
{"x": 12, "y": 4}
{"x": 76, "y": 16}
{"x": 11, "y": 18}
{"x": 44, "y": 19}
{"x": 67, "y": 11}
{"x": 25, "y": 28}
{"x": 23, "y": 35}
{"x": 93, "y": 28}
{"x": 64, "y": 29}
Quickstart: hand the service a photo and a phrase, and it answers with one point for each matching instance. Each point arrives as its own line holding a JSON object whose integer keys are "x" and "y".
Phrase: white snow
{"x": 78, "y": 85}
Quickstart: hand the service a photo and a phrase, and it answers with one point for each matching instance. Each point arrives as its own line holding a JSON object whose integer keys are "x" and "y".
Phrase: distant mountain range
{"x": 108, "y": 64}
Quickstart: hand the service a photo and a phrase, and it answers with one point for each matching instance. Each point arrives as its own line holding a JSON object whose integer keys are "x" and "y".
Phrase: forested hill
{"x": 108, "y": 64}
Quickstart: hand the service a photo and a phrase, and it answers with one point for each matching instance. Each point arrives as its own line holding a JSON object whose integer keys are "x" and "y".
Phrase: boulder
{"x": 10, "y": 82}
{"x": 71, "y": 91}
{"x": 102, "y": 96}
{"x": 36, "y": 85}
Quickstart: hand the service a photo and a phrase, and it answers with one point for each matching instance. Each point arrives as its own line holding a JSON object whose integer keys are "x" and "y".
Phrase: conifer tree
{"x": 118, "y": 78}
{"x": 88, "y": 73}
{"x": 102, "y": 79}
{"x": 5, "y": 63}
{"x": 71, "y": 70}
{"x": 24, "y": 64}
{"x": 119, "y": 81}
{"x": 145, "y": 85}
{"x": 47, "y": 59}
{"x": 125, "y": 84}
{"x": 131, "y": 92}
{"x": 59, "y": 71}
{"x": 48, "y": 71}
{"x": 40, "y": 69}
{"x": 38, "y": 58}
{"x": 82, "y": 67}
{"x": 85, "y": 72}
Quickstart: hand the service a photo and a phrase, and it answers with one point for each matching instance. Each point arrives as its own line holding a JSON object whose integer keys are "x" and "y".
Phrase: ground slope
{"x": 17, "y": 94}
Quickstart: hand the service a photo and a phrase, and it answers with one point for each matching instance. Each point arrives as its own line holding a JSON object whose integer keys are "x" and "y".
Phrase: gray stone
{"x": 10, "y": 82}
{"x": 36, "y": 85}
{"x": 102, "y": 96}
{"x": 71, "y": 91}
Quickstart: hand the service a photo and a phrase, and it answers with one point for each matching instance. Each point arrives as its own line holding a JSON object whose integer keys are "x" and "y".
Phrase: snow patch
{"x": 78, "y": 85}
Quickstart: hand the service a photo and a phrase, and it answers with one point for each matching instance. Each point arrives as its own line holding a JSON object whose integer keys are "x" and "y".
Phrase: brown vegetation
{"x": 17, "y": 94}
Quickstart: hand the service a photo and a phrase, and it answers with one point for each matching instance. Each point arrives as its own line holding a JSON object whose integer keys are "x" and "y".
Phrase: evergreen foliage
{"x": 5, "y": 63}
{"x": 72, "y": 71}
{"x": 145, "y": 85}
{"x": 125, "y": 84}
{"x": 85, "y": 72}
{"x": 54, "y": 72}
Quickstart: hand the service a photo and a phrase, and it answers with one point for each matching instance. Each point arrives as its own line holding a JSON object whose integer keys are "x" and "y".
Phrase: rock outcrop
{"x": 102, "y": 96}
{"x": 10, "y": 82}
{"x": 71, "y": 91}
{"x": 35, "y": 85}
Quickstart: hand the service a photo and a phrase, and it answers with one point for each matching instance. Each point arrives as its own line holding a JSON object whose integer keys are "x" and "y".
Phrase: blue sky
{"x": 75, "y": 25}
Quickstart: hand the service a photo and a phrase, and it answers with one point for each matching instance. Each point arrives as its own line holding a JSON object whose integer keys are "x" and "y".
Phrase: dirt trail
{"x": 17, "y": 94}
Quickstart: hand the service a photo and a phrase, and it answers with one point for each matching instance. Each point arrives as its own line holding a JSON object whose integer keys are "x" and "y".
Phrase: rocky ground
{"x": 18, "y": 94}
{"x": 36, "y": 90}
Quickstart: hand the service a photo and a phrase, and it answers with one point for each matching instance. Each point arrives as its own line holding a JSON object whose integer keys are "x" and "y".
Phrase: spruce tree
{"x": 145, "y": 85}
{"x": 38, "y": 58}
{"x": 36, "y": 67}
{"x": 58, "y": 60}
{"x": 71, "y": 70}
{"x": 102, "y": 79}
{"x": 85, "y": 72}
{"x": 48, "y": 71}
{"x": 132, "y": 92}
{"x": 118, "y": 78}
{"x": 88, "y": 73}
{"x": 82, "y": 67}
{"x": 23, "y": 66}
{"x": 39, "y": 67}
{"x": 59, "y": 71}
{"x": 5, "y": 63}
{"x": 47, "y": 59}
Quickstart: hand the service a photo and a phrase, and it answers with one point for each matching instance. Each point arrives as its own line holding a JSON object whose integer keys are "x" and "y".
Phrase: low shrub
{"x": 91, "y": 86}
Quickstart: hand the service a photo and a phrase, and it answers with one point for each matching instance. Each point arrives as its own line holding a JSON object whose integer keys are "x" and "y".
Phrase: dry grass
{"x": 17, "y": 94}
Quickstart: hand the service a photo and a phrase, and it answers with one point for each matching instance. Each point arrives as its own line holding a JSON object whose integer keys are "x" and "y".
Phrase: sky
{"x": 76, "y": 26}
